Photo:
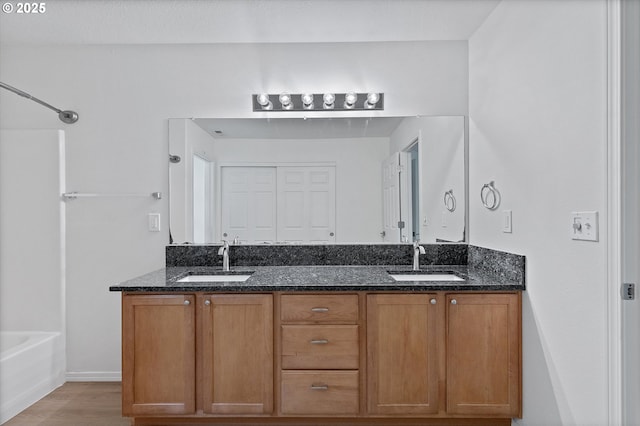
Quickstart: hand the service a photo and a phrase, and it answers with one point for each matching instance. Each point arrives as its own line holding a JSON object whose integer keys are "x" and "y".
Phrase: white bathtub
{"x": 32, "y": 364}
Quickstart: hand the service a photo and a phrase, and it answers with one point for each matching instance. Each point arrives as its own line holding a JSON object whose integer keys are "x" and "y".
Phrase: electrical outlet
{"x": 584, "y": 226}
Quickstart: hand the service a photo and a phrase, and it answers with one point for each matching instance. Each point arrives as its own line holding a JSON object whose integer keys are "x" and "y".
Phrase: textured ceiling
{"x": 244, "y": 21}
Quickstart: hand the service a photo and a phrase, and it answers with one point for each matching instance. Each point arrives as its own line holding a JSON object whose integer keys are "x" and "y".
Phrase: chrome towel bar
{"x": 74, "y": 195}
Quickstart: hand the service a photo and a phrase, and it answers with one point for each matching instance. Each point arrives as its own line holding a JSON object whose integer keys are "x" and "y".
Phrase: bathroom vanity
{"x": 330, "y": 344}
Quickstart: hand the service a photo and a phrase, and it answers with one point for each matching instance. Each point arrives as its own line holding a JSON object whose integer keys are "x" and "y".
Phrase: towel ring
{"x": 450, "y": 200}
{"x": 490, "y": 196}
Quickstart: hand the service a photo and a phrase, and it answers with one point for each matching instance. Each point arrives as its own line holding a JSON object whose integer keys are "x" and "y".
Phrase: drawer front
{"x": 310, "y": 347}
{"x": 319, "y": 308}
{"x": 320, "y": 392}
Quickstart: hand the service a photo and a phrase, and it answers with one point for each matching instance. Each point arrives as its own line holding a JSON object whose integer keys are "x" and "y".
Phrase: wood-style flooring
{"x": 76, "y": 404}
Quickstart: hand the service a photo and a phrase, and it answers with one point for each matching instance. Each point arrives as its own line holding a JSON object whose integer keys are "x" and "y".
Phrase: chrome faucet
{"x": 417, "y": 251}
{"x": 224, "y": 252}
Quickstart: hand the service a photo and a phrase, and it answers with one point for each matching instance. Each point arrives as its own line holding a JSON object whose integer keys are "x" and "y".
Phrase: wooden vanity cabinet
{"x": 403, "y": 354}
{"x": 433, "y": 357}
{"x": 237, "y": 354}
{"x": 158, "y": 355}
{"x": 484, "y": 354}
{"x": 320, "y": 355}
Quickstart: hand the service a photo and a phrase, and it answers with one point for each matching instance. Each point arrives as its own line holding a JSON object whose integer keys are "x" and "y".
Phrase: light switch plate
{"x": 154, "y": 222}
{"x": 584, "y": 226}
{"x": 506, "y": 221}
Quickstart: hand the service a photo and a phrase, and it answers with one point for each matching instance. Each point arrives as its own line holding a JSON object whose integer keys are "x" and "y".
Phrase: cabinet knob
{"x": 319, "y": 342}
{"x": 207, "y": 302}
{"x": 319, "y": 309}
{"x": 454, "y": 302}
{"x": 186, "y": 302}
{"x": 433, "y": 301}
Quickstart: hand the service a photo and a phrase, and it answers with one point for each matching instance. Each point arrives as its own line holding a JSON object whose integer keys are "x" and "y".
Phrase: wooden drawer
{"x": 331, "y": 347}
{"x": 320, "y": 392}
{"x": 319, "y": 308}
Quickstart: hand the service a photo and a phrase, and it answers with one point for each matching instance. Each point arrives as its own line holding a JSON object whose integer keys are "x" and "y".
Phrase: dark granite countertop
{"x": 318, "y": 278}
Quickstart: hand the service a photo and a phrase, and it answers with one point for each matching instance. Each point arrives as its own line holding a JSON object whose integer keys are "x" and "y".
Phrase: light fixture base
{"x": 296, "y": 103}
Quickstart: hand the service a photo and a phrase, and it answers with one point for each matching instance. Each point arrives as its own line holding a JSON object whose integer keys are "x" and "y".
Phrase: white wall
{"x": 31, "y": 230}
{"x": 441, "y": 161}
{"x": 537, "y": 90}
{"x": 125, "y": 94}
{"x": 358, "y": 174}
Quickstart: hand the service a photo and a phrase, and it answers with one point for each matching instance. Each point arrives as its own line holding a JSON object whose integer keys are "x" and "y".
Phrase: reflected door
{"x": 306, "y": 204}
{"x": 249, "y": 204}
{"x": 396, "y": 198}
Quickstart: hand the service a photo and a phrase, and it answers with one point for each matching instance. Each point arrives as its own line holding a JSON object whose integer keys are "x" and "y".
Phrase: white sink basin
{"x": 426, "y": 277}
{"x": 213, "y": 278}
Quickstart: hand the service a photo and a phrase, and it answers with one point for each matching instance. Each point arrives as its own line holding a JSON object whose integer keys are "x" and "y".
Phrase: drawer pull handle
{"x": 319, "y": 309}
{"x": 319, "y": 387}
{"x": 319, "y": 341}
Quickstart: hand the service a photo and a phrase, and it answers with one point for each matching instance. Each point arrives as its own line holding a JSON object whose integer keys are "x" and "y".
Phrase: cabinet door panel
{"x": 483, "y": 354}
{"x": 402, "y": 354}
{"x": 238, "y": 354}
{"x": 158, "y": 350}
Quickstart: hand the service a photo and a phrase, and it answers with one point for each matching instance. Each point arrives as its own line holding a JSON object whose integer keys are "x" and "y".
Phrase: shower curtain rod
{"x": 66, "y": 116}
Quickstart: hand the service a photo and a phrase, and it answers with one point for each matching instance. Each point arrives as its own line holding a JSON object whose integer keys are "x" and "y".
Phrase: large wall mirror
{"x": 318, "y": 180}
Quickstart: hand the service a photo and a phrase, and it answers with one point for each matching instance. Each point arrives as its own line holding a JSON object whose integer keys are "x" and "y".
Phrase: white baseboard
{"x": 94, "y": 376}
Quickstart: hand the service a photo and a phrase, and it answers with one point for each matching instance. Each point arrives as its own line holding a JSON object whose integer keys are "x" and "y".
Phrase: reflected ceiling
{"x": 298, "y": 128}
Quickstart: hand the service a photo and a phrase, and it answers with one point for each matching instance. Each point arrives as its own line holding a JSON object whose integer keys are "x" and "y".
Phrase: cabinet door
{"x": 158, "y": 354}
{"x": 484, "y": 354}
{"x": 237, "y": 362}
{"x": 402, "y": 354}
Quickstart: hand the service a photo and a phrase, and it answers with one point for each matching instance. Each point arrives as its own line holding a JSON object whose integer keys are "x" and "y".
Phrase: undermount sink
{"x": 216, "y": 277}
{"x": 425, "y": 277}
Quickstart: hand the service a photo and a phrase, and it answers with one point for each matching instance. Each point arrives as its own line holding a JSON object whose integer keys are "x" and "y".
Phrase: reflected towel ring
{"x": 450, "y": 200}
{"x": 490, "y": 196}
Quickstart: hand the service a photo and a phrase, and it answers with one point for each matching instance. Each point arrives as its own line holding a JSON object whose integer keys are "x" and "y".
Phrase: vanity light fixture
{"x": 348, "y": 101}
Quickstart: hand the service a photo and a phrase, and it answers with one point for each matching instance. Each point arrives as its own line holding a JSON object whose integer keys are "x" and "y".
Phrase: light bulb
{"x": 285, "y": 100}
{"x": 328, "y": 99}
{"x": 263, "y": 99}
{"x": 307, "y": 100}
{"x": 264, "y": 102}
{"x": 350, "y": 99}
{"x": 373, "y": 98}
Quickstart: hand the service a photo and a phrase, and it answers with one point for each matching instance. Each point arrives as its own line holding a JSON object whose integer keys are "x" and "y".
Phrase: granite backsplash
{"x": 299, "y": 255}
{"x": 508, "y": 265}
